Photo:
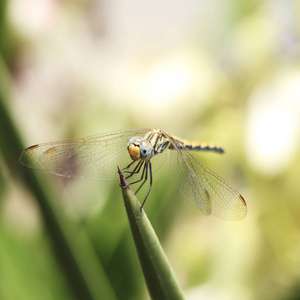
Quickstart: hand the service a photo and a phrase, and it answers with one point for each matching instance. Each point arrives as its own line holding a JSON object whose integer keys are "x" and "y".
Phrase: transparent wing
{"x": 94, "y": 157}
{"x": 204, "y": 188}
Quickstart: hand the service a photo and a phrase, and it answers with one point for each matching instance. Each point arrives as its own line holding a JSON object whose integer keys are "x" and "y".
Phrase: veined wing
{"x": 204, "y": 188}
{"x": 93, "y": 157}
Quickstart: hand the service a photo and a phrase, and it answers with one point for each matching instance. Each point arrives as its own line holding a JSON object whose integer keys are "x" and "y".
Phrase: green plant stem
{"x": 157, "y": 271}
{"x": 76, "y": 258}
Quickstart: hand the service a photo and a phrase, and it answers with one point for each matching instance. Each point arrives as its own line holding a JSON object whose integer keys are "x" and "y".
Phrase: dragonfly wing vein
{"x": 204, "y": 188}
{"x": 94, "y": 157}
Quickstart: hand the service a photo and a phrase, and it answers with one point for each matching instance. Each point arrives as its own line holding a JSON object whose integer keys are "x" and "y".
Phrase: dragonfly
{"x": 140, "y": 152}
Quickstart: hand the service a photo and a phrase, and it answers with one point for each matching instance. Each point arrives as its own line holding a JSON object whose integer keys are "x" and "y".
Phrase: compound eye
{"x": 135, "y": 141}
{"x": 145, "y": 149}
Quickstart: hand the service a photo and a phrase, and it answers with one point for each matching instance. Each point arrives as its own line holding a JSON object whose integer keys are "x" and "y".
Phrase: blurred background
{"x": 220, "y": 71}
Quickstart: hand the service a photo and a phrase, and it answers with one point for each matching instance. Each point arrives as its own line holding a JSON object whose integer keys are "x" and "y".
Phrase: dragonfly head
{"x": 139, "y": 148}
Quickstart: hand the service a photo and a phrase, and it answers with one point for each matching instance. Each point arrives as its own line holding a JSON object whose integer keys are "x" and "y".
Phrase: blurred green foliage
{"x": 204, "y": 71}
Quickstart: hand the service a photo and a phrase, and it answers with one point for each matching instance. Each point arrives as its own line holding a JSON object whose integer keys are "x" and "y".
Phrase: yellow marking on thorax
{"x": 151, "y": 136}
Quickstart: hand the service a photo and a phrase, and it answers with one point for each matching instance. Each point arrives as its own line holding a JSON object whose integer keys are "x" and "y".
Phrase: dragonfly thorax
{"x": 139, "y": 148}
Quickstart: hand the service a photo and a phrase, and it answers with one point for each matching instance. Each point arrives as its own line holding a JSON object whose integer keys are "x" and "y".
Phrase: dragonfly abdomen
{"x": 205, "y": 147}
{"x": 198, "y": 146}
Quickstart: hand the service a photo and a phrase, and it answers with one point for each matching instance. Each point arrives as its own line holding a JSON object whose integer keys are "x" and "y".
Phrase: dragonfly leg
{"x": 146, "y": 177}
{"x": 147, "y": 168}
{"x": 128, "y": 165}
{"x": 131, "y": 164}
{"x": 151, "y": 179}
{"x": 145, "y": 171}
{"x": 135, "y": 170}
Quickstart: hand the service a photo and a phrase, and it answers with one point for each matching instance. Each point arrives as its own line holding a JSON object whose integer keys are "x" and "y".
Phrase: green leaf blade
{"x": 159, "y": 276}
